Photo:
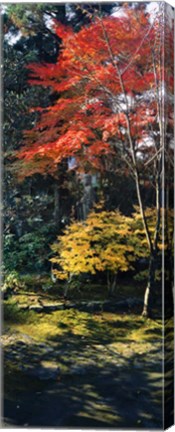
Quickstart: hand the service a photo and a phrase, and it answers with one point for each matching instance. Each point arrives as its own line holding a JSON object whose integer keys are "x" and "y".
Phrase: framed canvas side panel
{"x": 168, "y": 217}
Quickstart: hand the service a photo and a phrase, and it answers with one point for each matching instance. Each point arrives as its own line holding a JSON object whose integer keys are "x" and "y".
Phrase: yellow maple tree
{"x": 100, "y": 243}
{"x": 107, "y": 241}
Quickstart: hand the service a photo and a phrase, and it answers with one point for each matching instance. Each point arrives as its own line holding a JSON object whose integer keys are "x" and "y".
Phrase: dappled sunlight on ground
{"x": 83, "y": 369}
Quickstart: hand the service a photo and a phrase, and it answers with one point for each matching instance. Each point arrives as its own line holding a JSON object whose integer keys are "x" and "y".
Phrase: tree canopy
{"x": 106, "y": 76}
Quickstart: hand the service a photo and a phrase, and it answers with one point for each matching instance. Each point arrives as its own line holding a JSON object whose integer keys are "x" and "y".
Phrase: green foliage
{"x": 13, "y": 314}
{"x": 25, "y": 245}
{"x": 35, "y": 280}
{"x": 28, "y": 253}
{"x": 47, "y": 285}
{"x": 32, "y": 245}
{"x": 10, "y": 250}
{"x": 32, "y": 18}
{"x": 76, "y": 284}
{"x": 12, "y": 282}
{"x": 143, "y": 275}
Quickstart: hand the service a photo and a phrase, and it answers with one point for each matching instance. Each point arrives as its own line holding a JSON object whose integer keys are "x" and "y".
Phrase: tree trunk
{"x": 66, "y": 288}
{"x": 111, "y": 283}
{"x": 56, "y": 205}
{"x": 168, "y": 285}
{"x": 149, "y": 296}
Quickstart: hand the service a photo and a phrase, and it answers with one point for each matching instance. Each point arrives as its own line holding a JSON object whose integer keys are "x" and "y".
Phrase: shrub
{"x": 28, "y": 253}
{"x": 12, "y": 283}
{"x": 13, "y": 314}
{"x": 101, "y": 243}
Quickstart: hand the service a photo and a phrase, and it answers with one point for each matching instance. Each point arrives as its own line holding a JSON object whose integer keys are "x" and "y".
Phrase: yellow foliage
{"x": 139, "y": 239}
{"x": 100, "y": 243}
{"x": 105, "y": 241}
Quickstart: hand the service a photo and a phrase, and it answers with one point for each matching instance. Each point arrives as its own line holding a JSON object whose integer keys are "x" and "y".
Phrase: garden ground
{"x": 81, "y": 369}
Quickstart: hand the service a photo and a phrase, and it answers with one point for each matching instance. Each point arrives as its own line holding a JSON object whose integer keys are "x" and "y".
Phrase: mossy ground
{"x": 101, "y": 326}
{"x": 110, "y": 368}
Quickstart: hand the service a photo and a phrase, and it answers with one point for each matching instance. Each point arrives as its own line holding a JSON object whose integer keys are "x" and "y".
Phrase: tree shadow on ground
{"x": 96, "y": 385}
{"x": 98, "y": 330}
{"x": 112, "y": 396}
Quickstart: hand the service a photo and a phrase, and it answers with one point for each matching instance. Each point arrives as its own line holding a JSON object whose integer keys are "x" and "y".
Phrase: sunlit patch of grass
{"x": 76, "y": 326}
{"x": 53, "y": 325}
{"x": 149, "y": 331}
{"x": 59, "y": 327}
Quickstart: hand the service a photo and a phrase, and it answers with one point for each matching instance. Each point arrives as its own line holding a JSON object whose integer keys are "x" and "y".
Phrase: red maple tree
{"x": 101, "y": 75}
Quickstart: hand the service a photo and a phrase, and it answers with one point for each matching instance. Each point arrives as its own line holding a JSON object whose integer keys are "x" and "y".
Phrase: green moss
{"x": 72, "y": 326}
{"x": 13, "y": 315}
